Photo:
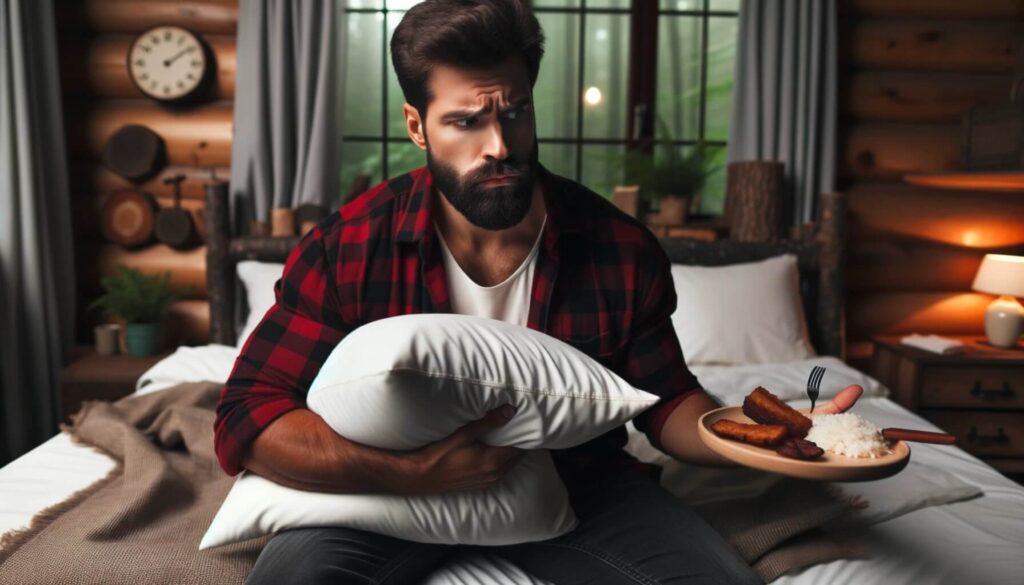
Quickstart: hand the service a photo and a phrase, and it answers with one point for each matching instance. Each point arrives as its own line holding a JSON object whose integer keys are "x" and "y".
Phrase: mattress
{"x": 980, "y": 540}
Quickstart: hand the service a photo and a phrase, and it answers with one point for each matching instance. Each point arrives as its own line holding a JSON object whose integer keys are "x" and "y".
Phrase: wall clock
{"x": 170, "y": 63}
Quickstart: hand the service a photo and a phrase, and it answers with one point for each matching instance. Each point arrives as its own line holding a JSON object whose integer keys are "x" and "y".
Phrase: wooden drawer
{"x": 961, "y": 386}
{"x": 986, "y": 434}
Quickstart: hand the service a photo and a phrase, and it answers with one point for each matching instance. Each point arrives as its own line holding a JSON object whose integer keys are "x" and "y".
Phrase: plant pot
{"x": 142, "y": 339}
{"x": 673, "y": 210}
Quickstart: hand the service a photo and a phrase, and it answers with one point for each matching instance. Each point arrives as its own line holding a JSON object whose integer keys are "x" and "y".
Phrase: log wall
{"x": 99, "y": 98}
{"x": 909, "y": 69}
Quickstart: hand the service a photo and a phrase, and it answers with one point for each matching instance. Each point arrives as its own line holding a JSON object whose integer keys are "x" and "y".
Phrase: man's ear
{"x": 414, "y": 125}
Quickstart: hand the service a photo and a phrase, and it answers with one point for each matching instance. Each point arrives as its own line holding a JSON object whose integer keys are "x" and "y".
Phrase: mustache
{"x": 496, "y": 169}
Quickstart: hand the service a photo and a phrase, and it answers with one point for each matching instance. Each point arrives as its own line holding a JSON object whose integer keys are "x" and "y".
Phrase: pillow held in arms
{"x": 404, "y": 382}
{"x": 746, "y": 313}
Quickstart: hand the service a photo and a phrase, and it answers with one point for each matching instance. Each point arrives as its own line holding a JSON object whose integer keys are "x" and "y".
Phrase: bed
{"x": 970, "y": 530}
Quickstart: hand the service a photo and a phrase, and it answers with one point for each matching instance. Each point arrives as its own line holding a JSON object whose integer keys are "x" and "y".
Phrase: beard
{"x": 490, "y": 208}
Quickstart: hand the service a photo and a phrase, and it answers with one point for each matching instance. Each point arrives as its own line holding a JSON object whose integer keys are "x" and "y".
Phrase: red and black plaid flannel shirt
{"x": 602, "y": 284}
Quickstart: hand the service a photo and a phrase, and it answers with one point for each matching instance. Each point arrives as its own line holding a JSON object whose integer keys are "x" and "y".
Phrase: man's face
{"x": 480, "y": 142}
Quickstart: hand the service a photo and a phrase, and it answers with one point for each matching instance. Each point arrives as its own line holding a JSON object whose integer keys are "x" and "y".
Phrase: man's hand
{"x": 301, "y": 451}
{"x": 461, "y": 462}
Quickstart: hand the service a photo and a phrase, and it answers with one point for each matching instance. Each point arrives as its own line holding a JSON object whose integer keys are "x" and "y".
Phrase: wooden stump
{"x": 753, "y": 200}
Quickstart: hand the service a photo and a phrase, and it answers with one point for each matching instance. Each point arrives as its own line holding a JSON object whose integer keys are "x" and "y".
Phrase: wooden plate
{"x": 831, "y": 467}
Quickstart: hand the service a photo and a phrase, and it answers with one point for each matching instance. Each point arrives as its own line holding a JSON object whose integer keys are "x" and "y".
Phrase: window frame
{"x": 645, "y": 19}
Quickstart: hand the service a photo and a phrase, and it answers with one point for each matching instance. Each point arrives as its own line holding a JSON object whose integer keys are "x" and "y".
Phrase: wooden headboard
{"x": 819, "y": 261}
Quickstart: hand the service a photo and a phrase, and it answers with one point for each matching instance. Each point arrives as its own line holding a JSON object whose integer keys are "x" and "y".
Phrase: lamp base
{"x": 1004, "y": 321}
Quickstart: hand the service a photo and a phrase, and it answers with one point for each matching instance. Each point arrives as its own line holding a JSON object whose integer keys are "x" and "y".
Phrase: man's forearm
{"x": 679, "y": 436}
{"x": 301, "y": 451}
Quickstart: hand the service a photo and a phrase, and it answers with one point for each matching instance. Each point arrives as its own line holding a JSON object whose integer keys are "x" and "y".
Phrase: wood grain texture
{"x": 86, "y": 212}
{"x": 86, "y": 176}
{"x": 951, "y": 9}
{"x": 931, "y": 45}
{"x": 876, "y": 265}
{"x": 903, "y": 96}
{"x": 879, "y": 150}
{"x": 970, "y": 219}
{"x": 187, "y": 268}
{"x": 197, "y": 136}
{"x": 135, "y": 16}
{"x": 916, "y": 312}
{"x": 95, "y": 66}
{"x": 187, "y": 323}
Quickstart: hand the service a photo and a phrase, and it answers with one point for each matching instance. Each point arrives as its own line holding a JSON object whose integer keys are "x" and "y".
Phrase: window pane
{"x": 560, "y": 159}
{"x": 359, "y": 158}
{"x": 554, "y": 98}
{"x": 678, "y": 100}
{"x": 682, "y": 4}
{"x": 721, "y": 64}
{"x": 602, "y": 167}
{"x": 556, "y": 4}
{"x": 396, "y": 121}
{"x": 404, "y": 157}
{"x": 608, "y": 4}
{"x": 364, "y": 3}
{"x": 401, "y": 4}
{"x": 712, "y": 199}
{"x": 363, "y": 56}
{"x": 732, "y": 5}
{"x": 606, "y": 75}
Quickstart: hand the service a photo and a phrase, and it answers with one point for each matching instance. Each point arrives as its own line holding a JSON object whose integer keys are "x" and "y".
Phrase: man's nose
{"x": 495, "y": 146}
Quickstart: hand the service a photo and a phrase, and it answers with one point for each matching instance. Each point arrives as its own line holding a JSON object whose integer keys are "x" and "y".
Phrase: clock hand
{"x": 167, "y": 62}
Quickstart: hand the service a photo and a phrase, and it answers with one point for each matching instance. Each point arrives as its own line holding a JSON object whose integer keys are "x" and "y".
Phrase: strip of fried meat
{"x": 760, "y": 435}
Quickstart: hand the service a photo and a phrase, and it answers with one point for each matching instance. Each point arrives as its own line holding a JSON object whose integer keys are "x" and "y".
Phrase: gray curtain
{"x": 784, "y": 96}
{"x": 286, "y": 134}
{"x": 37, "y": 276}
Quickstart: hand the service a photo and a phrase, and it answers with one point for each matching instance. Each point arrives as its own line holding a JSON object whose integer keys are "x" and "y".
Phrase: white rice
{"x": 847, "y": 434}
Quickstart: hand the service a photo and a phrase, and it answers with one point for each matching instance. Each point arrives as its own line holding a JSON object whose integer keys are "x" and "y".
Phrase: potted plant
{"x": 667, "y": 178}
{"x": 142, "y": 301}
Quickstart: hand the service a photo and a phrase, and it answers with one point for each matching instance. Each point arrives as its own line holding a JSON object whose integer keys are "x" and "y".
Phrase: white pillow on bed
{"x": 258, "y": 278}
{"x": 403, "y": 382}
{"x": 741, "y": 313}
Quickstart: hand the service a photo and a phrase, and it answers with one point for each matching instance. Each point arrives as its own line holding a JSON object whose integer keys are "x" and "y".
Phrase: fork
{"x": 814, "y": 384}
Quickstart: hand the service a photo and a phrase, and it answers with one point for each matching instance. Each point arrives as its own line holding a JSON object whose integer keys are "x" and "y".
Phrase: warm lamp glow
{"x": 592, "y": 96}
{"x": 1001, "y": 274}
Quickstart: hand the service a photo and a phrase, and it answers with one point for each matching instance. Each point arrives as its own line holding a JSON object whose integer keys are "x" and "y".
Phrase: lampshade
{"x": 1000, "y": 274}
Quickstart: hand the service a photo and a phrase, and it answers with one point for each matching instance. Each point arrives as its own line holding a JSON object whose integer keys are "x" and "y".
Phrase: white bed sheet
{"x": 977, "y": 541}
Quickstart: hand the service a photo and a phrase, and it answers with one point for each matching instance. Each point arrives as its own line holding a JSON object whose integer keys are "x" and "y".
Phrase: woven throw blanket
{"x": 143, "y": 522}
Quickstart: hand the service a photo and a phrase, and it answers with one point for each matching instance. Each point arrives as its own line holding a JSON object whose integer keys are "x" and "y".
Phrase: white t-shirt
{"x": 507, "y": 301}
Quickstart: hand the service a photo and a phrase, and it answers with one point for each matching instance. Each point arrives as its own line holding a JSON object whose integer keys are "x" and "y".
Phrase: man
{"x": 484, "y": 230}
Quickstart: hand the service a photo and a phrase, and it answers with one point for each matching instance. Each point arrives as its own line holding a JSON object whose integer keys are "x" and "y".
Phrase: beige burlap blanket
{"x": 143, "y": 522}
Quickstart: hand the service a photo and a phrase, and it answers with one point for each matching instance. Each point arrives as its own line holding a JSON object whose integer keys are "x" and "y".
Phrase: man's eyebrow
{"x": 459, "y": 114}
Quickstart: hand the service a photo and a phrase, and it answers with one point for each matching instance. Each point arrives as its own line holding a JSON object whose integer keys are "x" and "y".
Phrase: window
{"x": 582, "y": 125}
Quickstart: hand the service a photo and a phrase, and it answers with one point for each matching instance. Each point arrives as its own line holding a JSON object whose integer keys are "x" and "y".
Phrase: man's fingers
{"x": 492, "y": 420}
{"x": 842, "y": 402}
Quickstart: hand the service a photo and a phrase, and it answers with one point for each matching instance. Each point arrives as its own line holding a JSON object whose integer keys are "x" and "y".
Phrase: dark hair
{"x": 472, "y": 34}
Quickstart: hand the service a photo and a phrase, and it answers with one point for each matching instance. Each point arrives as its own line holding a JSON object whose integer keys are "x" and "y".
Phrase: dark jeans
{"x": 631, "y": 531}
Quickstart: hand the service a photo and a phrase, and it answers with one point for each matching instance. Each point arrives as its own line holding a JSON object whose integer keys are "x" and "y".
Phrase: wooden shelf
{"x": 1007, "y": 181}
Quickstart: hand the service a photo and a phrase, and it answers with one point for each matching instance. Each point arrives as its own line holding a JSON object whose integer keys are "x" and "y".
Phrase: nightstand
{"x": 977, "y": 395}
{"x": 99, "y": 377}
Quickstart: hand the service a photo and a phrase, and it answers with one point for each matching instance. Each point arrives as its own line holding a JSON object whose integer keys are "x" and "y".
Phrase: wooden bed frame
{"x": 819, "y": 261}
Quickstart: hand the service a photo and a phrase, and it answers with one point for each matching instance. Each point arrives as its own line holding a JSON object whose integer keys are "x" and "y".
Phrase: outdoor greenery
{"x": 136, "y": 297}
{"x": 694, "y": 81}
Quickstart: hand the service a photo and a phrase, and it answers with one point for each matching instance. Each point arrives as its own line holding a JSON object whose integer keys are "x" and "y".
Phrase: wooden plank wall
{"x": 909, "y": 69}
{"x": 99, "y": 98}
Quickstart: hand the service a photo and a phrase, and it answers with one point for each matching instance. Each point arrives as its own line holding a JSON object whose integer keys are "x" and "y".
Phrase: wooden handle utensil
{"x": 893, "y": 434}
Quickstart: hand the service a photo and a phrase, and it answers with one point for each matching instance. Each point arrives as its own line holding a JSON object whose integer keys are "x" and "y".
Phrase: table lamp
{"x": 1002, "y": 275}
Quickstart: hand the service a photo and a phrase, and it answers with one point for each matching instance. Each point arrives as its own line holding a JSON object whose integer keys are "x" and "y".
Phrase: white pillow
{"x": 258, "y": 278}
{"x": 403, "y": 382}
{"x": 741, "y": 313}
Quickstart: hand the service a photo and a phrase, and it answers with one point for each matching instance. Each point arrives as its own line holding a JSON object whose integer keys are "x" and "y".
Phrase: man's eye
{"x": 514, "y": 114}
{"x": 465, "y": 122}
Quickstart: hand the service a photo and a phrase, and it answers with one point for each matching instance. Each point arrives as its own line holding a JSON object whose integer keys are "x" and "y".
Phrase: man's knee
{"x": 311, "y": 556}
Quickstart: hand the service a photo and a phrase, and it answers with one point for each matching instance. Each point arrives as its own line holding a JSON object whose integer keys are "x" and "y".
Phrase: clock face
{"x": 167, "y": 62}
